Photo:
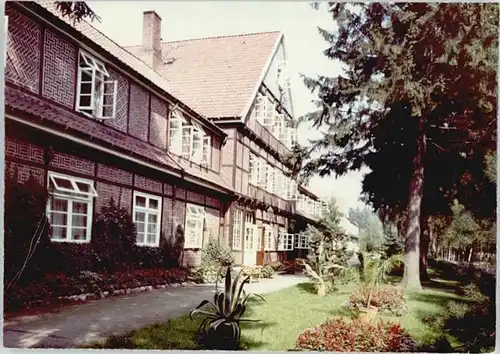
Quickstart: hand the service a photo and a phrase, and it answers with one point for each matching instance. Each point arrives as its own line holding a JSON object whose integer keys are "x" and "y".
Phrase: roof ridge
{"x": 223, "y": 36}
{"x": 211, "y": 37}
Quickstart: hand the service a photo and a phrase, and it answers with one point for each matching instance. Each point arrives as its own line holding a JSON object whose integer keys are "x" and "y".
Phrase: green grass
{"x": 288, "y": 312}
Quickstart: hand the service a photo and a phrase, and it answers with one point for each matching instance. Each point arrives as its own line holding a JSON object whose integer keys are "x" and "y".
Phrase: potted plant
{"x": 372, "y": 272}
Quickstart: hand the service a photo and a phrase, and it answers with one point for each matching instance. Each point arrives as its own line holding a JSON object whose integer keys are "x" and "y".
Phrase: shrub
{"x": 59, "y": 284}
{"x": 292, "y": 267}
{"x": 267, "y": 272}
{"x": 337, "y": 335}
{"x": 390, "y": 299}
{"x": 216, "y": 252}
{"x": 214, "y": 258}
{"x": 277, "y": 266}
{"x": 208, "y": 273}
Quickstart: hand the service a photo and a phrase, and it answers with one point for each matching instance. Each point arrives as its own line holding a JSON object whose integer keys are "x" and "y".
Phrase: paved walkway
{"x": 73, "y": 326}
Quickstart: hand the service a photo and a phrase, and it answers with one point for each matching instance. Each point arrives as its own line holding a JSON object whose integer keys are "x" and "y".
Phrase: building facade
{"x": 174, "y": 142}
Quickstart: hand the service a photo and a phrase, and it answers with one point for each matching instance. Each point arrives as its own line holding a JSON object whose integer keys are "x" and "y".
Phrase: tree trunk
{"x": 470, "y": 254}
{"x": 425, "y": 239}
{"x": 411, "y": 278}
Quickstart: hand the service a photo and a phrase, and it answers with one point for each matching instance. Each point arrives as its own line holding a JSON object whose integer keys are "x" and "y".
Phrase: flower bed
{"x": 390, "y": 300}
{"x": 60, "y": 288}
{"x": 337, "y": 335}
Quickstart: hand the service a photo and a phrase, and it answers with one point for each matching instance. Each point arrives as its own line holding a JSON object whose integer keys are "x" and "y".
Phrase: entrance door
{"x": 250, "y": 250}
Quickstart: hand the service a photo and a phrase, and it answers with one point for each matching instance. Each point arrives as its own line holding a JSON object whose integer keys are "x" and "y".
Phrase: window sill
{"x": 148, "y": 245}
{"x": 70, "y": 241}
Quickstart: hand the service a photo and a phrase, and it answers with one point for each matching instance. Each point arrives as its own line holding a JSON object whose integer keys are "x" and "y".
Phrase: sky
{"x": 122, "y": 22}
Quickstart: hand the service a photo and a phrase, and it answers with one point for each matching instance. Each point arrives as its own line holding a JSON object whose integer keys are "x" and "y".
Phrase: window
{"x": 291, "y": 189}
{"x": 302, "y": 240}
{"x": 269, "y": 238}
{"x": 264, "y": 110}
{"x": 96, "y": 93}
{"x": 250, "y": 232}
{"x": 285, "y": 241}
{"x": 187, "y": 145}
{"x": 147, "y": 211}
{"x": 271, "y": 184}
{"x": 206, "y": 152}
{"x": 302, "y": 203}
{"x": 69, "y": 208}
{"x": 176, "y": 122}
{"x": 188, "y": 140}
{"x": 279, "y": 177}
{"x": 237, "y": 229}
{"x": 262, "y": 173}
{"x": 195, "y": 218}
{"x": 252, "y": 169}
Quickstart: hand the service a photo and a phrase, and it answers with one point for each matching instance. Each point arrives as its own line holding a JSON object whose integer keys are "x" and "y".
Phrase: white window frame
{"x": 196, "y": 214}
{"x": 101, "y": 88}
{"x": 285, "y": 241}
{"x": 250, "y": 228}
{"x": 237, "y": 229}
{"x": 71, "y": 195}
{"x": 269, "y": 244}
{"x": 253, "y": 168}
{"x": 271, "y": 184}
{"x": 302, "y": 240}
{"x": 175, "y": 123}
{"x": 206, "y": 154}
{"x": 187, "y": 142}
{"x": 292, "y": 190}
{"x": 262, "y": 173}
{"x": 146, "y": 210}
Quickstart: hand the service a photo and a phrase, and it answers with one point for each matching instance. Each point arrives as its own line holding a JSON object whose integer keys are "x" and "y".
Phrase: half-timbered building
{"x": 190, "y": 133}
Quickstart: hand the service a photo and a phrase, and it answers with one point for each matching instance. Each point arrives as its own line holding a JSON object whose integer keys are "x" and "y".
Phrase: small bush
{"x": 336, "y": 335}
{"x": 390, "y": 300}
{"x": 208, "y": 273}
{"x": 292, "y": 267}
{"x": 214, "y": 258}
{"x": 277, "y": 266}
{"x": 216, "y": 253}
{"x": 267, "y": 272}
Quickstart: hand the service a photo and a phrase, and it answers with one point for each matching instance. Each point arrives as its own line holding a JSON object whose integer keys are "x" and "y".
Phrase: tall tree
{"x": 76, "y": 10}
{"x": 431, "y": 70}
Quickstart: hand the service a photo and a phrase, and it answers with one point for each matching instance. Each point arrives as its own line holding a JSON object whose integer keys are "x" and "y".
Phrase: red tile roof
{"x": 73, "y": 123}
{"x": 118, "y": 52}
{"x": 217, "y": 76}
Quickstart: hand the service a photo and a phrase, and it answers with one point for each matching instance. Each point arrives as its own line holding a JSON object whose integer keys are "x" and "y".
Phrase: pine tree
{"x": 416, "y": 97}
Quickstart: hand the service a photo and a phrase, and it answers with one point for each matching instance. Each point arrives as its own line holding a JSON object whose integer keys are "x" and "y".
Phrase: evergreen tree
{"x": 416, "y": 99}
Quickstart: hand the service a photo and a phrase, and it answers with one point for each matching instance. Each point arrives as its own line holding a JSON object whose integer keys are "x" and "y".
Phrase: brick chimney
{"x": 151, "y": 39}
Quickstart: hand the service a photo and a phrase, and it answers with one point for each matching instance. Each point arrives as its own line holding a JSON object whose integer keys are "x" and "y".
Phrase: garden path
{"x": 72, "y": 326}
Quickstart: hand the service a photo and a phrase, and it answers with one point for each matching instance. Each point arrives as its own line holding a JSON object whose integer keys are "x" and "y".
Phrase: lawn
{"x": 286, "y": 313}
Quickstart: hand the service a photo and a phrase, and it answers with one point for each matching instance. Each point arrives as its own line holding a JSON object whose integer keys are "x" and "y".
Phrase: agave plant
{"x": 220, "y": 327}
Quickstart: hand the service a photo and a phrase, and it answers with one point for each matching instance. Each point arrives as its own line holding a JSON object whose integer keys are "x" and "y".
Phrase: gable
{"x": 216, "y": 76}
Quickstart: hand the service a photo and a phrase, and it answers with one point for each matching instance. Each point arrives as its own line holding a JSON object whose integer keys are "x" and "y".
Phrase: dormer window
{"x": 188, "y": 140}
{"x": 96, "y": 92}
